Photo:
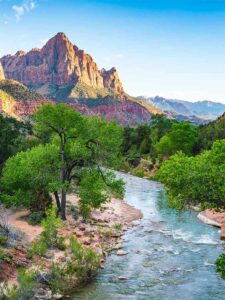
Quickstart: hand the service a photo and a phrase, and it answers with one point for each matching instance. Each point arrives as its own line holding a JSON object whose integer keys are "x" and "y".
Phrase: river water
{"x": 170, "y": 256}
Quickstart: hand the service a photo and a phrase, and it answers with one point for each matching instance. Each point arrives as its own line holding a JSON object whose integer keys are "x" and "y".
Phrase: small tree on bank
{"x": 76, "y": 148}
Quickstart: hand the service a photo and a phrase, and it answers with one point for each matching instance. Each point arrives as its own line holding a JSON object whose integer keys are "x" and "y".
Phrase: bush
{"x": 39, "y": 247}
{"x": 220, "y": 265}
{"x": 61, "y": 243}
{"x": 35, "y": 218}
{"x": 139, "y": 173}
{"x": 5, "y": 255}
{"x": 82, "y": 264}
{"x": 118, "y": 226}
{"x": 49, "y": 237}
{"x": 3, "y": 240}
{"x": 195, "y": 180}
{"x": 51, "y": 224}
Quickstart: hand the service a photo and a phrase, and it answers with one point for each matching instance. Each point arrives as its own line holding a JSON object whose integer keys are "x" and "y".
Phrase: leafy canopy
{"x": 194, "y": 180}
{"x": 71, "y": 157}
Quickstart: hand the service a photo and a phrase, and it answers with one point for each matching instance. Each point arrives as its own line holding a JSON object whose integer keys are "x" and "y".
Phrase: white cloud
{"x": 24, "y": 7}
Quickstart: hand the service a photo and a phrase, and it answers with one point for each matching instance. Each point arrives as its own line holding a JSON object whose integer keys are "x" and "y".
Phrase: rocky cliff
{"x": 61, "y": 63}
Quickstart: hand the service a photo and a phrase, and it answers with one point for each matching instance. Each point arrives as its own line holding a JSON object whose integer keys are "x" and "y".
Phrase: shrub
{"x": 118, "y": 226}
{"x": 61, "y": 243}
{"x": 3, "y": 240}
{"x": 35, "y": 218}
{"x": 5, "y": 255}
{"x": 49, "y": 237}
{"x": 40, "y": 246}
{"x": 220, "y": 265}
{"x": 195, "y": 180}
{"x": 81, "y": 265}
{"x": 51, "y": 224}
{"x": 139, "y": 173}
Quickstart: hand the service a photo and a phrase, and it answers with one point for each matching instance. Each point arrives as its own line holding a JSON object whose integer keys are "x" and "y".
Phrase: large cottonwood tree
{"x": 78, "y": 148}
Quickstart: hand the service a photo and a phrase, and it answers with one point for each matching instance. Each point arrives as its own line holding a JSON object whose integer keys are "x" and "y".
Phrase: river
{"x": 170, "y": 255}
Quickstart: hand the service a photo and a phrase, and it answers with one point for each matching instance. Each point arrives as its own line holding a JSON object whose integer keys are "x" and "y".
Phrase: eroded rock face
{"x": 111, "y": 80}
{"x": 18, "y": 101}
{"x": 2, "y": 74}
{"x": 59, "y": 62}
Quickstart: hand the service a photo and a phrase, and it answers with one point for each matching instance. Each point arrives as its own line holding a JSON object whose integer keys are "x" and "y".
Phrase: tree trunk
{"x": 63, "y": 205}
{"x": 57, "y": 202}
{"x": 63, "y": 177}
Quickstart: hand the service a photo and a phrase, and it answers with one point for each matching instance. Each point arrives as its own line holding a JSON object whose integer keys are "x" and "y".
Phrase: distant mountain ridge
{"x": 205, "y": 110}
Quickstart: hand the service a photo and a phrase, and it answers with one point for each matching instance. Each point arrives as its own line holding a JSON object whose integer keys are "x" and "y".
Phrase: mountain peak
{"x": 61, "y": 35}
{"x": 59, "y": 62}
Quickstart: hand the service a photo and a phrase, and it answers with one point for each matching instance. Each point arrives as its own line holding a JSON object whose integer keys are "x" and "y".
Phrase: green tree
{"x": 160, "y": 126}
{"x": 77, "y": 148}
{"x": 196, "y": 180}
{"x": 30, "y": 176}
{"x": 12, "y": 134}
{"x": 183, "y": 137}
{"x": 209, "y": 133}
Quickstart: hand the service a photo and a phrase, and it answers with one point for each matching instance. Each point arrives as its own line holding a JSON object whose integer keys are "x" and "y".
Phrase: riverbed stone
{"x": 122, "y": 278}
{"x": 57, "y": 296}
{"x": 118, "y": 246}
{"x": 121, "y": 252}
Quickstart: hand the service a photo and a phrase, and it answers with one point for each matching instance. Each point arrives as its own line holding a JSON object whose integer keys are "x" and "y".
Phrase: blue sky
{"x": 175, "y": 48}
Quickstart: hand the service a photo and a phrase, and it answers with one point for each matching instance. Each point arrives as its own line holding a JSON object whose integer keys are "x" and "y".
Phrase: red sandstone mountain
{"x": 63, "y": 72}
{"x": 59, "y": 62}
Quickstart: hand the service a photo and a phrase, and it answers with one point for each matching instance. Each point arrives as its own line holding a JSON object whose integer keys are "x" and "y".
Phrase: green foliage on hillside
{"x": 195, "y": 180}
{"x": 208, "y": 134}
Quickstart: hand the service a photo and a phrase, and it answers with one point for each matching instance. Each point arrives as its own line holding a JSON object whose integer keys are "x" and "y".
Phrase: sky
{"x": 174, "y": 49}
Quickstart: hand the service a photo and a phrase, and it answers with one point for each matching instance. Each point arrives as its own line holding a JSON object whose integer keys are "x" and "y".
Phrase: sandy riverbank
{"x": 103, "y": 232}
